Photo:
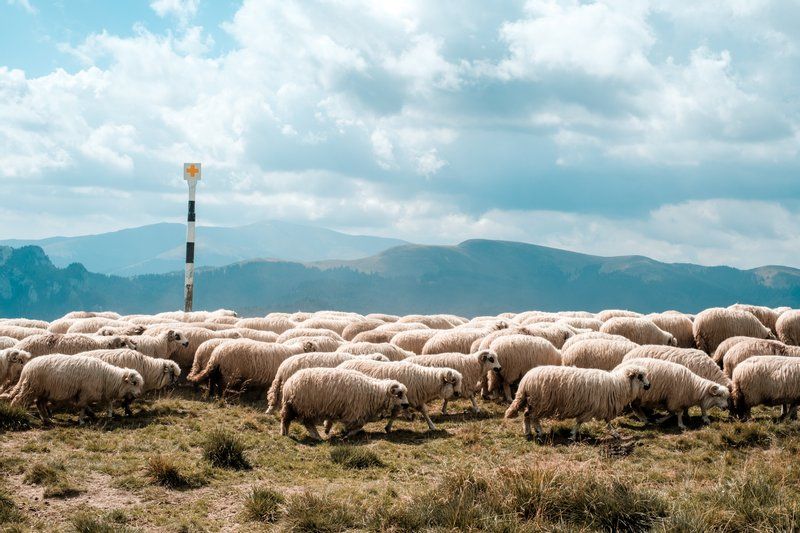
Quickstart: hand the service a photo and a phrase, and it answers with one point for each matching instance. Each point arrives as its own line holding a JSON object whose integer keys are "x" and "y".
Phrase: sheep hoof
{"x": 529, "y": 437}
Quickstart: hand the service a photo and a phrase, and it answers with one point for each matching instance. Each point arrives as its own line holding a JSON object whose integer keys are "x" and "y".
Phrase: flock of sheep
{"x": 328, "y": 367}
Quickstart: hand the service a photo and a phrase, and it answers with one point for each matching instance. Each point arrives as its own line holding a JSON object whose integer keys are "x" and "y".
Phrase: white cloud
{"x": 183, "y": 10}
{"x": 24, "y": 4}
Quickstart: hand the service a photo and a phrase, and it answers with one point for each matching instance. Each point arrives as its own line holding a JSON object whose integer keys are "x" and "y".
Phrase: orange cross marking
{"x": 192, "y": 170}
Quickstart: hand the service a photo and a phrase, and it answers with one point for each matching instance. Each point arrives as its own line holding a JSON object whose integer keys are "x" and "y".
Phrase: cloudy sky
{"x": 669, "y": 129}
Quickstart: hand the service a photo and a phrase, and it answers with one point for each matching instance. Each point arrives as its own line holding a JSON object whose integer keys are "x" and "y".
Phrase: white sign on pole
{"x": 191, "y": 171}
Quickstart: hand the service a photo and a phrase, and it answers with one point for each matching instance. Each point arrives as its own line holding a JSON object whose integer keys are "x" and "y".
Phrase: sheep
{"x": 582, "y": 323}
{"x": 375, "y": 336}
{"x": 227, "y": 320}
{"x": 307, "y": 332}
{"x": 716, "y": 324}
{"x": 431, "y": 321}
{"x": 787, "y": 326}
{"x": 163, "y": 346}
{"x": 245, "y": 363}
{"x": 639, "y": 330}
{"x": 602, "y": 354}
{"x": 592, "y": 335}
{"x": 780, "y": 310}
{"x": 331, "y": 324}
{"x": 7, "y": 342}
{"x": 196, "y": 336}
{"x": 25, "y": 323}
{"x": 307, "y": 360}
{"x": 580, "y": 393}
{"x": 92, "y": 314}
{"x": 576, "y": 314}
{"x": 300, "y": 316}
{"x": 11, "y": 363}
{"x": 336, "y": 395}
{"x": 18, "y": 332}
{"x": 679, "y": 325}
{"x": 454, "y": 340}
{"x": 70, "y": 344}
{"x": 765, "y": 315}
{"x": 768, "y": 380}
{"x": 517, "y": 354}
{"x": 92, "y": 325}
{"x": 383, "y": 316}
{"x": 724, "y": 346}
{"x": 692, "y": 358}
{"x": 608, "y": 314}
{"x": 252, "y": 334}
{"x": 361, "y": 326}
{"x": 473, "y": 369}
{"x": 413, "y": 340}
{"x": 755, "y": 347}
{"x": 157, "y": 373}
{"x": 676, "y": 388}
{"x": 423, "y": 383}
{"x": 483, "y": 343}
{"x": 73, "y": 378}
{"x": 203, "y": 354}
{"x": 321, "y": 344}
{"x": 123, "y": 331}
{"x": 392, "y": 352}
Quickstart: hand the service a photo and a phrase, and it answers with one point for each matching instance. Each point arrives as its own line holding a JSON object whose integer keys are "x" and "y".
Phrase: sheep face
{"x": 398, "y": 394}
{"x": 489, "y": 361}
{"x": 132, "y": 385}
{"x": 638, "y": 378}
{"x": 178, "y": 338}
{"x": 121, "y": 342}
{"x": 716, "y": 396}
{"x": 170, "y": 374}
{"x": 451, "y": 385}
{"x": 15, "y": 360}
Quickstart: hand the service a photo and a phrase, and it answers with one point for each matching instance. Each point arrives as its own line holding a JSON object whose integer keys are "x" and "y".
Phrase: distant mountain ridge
{"x": 473, "y": 278}
{"x": 159, "y": 248}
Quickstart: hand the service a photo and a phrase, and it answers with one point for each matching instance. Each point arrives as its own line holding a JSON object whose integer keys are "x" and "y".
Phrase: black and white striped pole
{"x": 191, "y": 173}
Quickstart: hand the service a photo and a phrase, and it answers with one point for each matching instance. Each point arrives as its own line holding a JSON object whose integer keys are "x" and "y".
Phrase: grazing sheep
{"x": 384, "y": 317}
{"x": 227, "y": 320}
{"x": 392, "y": 352}
{"x": 307, "y": 332}
{"x": 765, "y": 315}
{"x": 517, "y": 354}
{"x": 375, "y": 336}
{"x": 11, "y": 363}
{"x": 473, "y": 369}
{"x": 576, "y": 314}
{"x": 423, "y": 383}
{"x": 676, "y": 388}
{"x": 431, "y": 321}
{"x": 245, "y": 363}
{"x": 7, "y": 342}
{"x": 92, "y": 325}
{"x": 768, "y": 380}
{"x": 693, "y": 359}
{"x": 454, "y": 340}
{"x": 321, "y": 344}
{"x": 679, "y": 325}
{"x": 203, "y": 354}
{"x": 608, "y": 314}
{"x": 92, "y": 314}
{"x": 331, "y": 324}
{"x": 18, "y": 332}
{"x": 77, "y": 379}
{"x": 122, "y": 331}
{"x": 361, "y": 326}
{"x": 580, "y": 393}
{"x": 638, "y": 330}
{"x": 70, "y": 344}
{"x": 157, "y": 373}
{"x": 582, "y": 323}
{"x": 252, "y": 334}
{"x": 413, "y": 340}
{"x": 313, "y": 395}
{"x": 592, "y": 335}
{"x": 787, "y": 326}
{"x": 556, "y": 334}
{"x": 275, "y": 324}
{"x": 25, "y": 323}
{"x": 602, "y": 354}
{"x": 724, "y": 346}
{"x": 196, "y": 336}
{"x": 755, "y": 347}
{"x": 163, "y": 346}
{"x": 307, "y": 360}
{"x": 716, "y": 324}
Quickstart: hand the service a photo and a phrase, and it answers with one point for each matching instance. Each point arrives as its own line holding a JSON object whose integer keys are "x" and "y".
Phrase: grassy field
{"x": 183, "y": 463}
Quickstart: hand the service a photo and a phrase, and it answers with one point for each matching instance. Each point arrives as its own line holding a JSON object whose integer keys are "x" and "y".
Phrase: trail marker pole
{"x": 191, "y": 173}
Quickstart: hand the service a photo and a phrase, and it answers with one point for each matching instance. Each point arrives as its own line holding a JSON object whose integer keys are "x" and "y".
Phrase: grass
{"x": 263, "y": 505}
{"x": 477, "y": 473}
{"x": 355, "y": 457}
{"x": 225, "y": 450}
{"x": 13, "y": 418}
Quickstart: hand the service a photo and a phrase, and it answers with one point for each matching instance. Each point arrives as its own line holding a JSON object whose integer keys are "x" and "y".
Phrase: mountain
{"x": 473, "y": 278}
{"x": 160, "y": 248}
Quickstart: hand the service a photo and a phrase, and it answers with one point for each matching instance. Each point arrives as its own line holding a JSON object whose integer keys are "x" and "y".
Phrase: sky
{"x": 666, "y": 129}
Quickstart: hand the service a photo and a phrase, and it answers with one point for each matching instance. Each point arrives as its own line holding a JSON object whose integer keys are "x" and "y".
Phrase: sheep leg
{"x": 392, "y": 416}
{"x": 349, "y": 431}
{"x": 312, "y": 430}
{"x": 792, "y": 415}
{"x": 704, "y": 415}
{"x": 475, "y": 408}
{"x": 637, "y": 410}
{"x": 680, "y": 419}
{"x": 507, "y": 391}
{"x": 287, "y": 415}
{"x": 328, "y": 425}
{"x": 41, "y": 406}
{"x": 537, "y": 426}
{"x": 110, "y": 409}
{"x": 444, "y": 407}
{"x": 526, "y": 424}
{"x": 126, "y": 404}
{"x": 424, "y": 411}
{"x": 575, "y": 430}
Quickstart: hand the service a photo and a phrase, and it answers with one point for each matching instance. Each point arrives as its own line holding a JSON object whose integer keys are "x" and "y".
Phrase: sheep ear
{"x": 308, "y": 346}
{"x": 484, "y": 355}
{"x": 127, "y": 378}
{"x": 171, "y": 335}
{"x": 716, "y": 390}
{"x": 631, "y": 373}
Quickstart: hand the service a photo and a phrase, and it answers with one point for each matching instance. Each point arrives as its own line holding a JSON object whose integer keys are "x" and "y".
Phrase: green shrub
{"x": 13, "y": 418}
{"x": 355, "y": 457}
{"x": 263, "y": 505}
{"x": 225, "y": 450}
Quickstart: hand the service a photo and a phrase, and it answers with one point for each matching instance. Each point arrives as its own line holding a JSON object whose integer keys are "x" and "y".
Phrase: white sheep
{"x": 423, "y": 383}
{"x": 77, "y": 379}
{"x": 676, "y": 388}
{"x": 394, "y": 353}
{"x": 581, "y": 323}
{"x": 693, "y": 359}
{"x": 602, "y": 354}
{"x": 276, "y": 324}
{"x": 769, "y": 380}
{"x": 608, "y": 314}
{"x": 765, "y": 315}
{"x": 163, "y": 346}
{"x": 639, "y": 330}
{"x": 678, "y": 324}
{"x": 308, "y": 332}
{"x": 384, "y": 317}
{"x": 413, "y": 340}
{"x": 313, "y": 395}
{"x": 360, "y": 326}
{"x": 724, "y": 346}
{"x": 788, "y": 327}
{"x": 25, "y": 323}
{"x": 580, "y": 393}
{"x": 473, "y": 369}
{"x": 517, "y": 354}
{"x": 716, "y": 324}
{"x": 92, "y": 325}
{"x": 455, "y": 340}
{"x": 69, "y": 344}
{"x": 122, "y": 331}
{"x": 11, "y": 363}
{"x": 307, "y": 360}
{"x": 195, "y": 335}
{"x": 592, "y": 335}
{"x": 752, "y": 348}
{"x": 18, "y": 332}
{"x": 7, "y": 342}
